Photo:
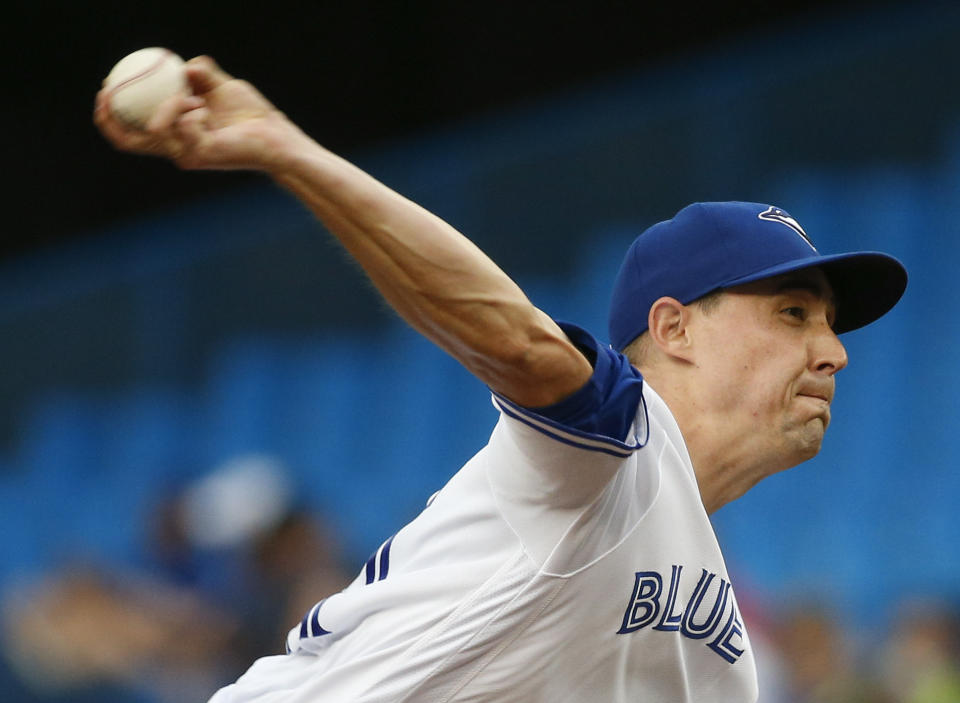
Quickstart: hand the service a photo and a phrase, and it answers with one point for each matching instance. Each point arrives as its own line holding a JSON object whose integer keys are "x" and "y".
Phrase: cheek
{"x": 757, "y": 382}
{"x": 736, "y": 380}
{"x": 747, "y": 368}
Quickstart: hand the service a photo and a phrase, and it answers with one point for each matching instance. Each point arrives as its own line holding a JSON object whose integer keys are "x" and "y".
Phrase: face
{"x": 767, "y": 355}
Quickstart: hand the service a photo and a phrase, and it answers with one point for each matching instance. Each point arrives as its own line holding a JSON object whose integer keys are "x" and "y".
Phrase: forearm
{"x": 436, "y": 279}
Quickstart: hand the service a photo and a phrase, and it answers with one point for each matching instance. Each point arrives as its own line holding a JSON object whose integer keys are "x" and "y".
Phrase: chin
{"x": 811, "y": 440}
{"x": 804, "y": 442}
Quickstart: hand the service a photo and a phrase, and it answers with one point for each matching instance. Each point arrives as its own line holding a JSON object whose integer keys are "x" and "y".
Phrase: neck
{"x": 723, "y": 474}
{"x": 725, "y": 462}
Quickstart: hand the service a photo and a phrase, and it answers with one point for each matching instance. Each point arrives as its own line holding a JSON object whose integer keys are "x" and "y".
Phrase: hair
{"x": 637, "y": 350}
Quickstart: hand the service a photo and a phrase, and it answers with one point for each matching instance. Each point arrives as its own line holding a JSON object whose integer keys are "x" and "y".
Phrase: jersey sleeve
{"x": 550, "y": 466}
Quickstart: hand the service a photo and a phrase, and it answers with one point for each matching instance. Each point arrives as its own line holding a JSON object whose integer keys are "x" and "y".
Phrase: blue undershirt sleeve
{"x": 607, "y": 404}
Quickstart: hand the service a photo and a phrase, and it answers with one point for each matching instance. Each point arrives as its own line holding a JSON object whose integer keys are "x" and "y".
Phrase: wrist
{"x": 288, "y": 148}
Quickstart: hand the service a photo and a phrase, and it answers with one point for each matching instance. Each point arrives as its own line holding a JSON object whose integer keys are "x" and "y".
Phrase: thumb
{"x": 205, "y": 75}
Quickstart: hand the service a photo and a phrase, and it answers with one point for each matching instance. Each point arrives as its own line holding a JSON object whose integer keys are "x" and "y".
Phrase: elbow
{"x": 533, "y": 368}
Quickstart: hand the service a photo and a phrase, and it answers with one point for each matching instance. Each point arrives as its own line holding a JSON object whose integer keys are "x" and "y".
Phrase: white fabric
{"x": 531, "y": 577}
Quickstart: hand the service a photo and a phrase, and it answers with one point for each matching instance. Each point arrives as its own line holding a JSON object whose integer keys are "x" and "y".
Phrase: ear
{"x": 667, "y": 321}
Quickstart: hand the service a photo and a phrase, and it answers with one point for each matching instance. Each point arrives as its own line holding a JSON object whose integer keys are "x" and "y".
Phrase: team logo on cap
{"x": 775, "y": 214}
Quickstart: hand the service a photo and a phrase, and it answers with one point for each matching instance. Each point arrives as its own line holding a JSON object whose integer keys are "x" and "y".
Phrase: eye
{"x": 796, "y": 312}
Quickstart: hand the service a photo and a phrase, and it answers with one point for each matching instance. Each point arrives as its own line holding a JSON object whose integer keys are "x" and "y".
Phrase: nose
{"x": 829, "y": 354}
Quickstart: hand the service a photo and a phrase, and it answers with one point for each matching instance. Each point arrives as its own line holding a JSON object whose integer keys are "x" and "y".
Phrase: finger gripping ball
{"x": 139, "y": 82}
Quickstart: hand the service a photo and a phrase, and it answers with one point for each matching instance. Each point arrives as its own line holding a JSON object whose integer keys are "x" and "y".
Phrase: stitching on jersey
{"x": 486, "y": 659}
{"x": 624, "y": 538}
{"x": 506, "y": 642}
{"x": 437, "y": 631}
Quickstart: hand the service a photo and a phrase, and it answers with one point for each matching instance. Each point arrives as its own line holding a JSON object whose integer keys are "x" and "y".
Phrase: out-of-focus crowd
{"x": 808, "y": 653}
{"x": 233, "y": 561}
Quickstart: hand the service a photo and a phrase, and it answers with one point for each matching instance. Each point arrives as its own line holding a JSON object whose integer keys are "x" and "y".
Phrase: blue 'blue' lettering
{"x": 644, "y": 603}
{"x": 670, "y": 621}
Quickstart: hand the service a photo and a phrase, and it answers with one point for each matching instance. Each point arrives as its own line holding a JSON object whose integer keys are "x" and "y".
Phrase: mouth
{"x": 819, "y": 405}
{"x": 822, "y": 391}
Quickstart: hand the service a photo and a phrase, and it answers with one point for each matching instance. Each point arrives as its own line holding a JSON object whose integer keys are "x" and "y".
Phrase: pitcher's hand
{"x": 225, "y": 124}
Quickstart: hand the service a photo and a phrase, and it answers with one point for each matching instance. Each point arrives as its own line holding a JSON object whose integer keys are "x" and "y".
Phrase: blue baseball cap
{"x": 710, "y": 246}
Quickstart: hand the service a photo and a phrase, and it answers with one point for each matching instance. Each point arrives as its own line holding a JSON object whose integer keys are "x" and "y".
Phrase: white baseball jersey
{"x": 557, "y": 565}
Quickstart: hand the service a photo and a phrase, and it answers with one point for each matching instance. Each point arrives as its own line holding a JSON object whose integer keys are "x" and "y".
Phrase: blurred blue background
{"x": 140, "y": 358}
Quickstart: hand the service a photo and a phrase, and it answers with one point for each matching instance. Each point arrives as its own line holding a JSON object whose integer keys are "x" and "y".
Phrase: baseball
{"x": 139, "y": 82}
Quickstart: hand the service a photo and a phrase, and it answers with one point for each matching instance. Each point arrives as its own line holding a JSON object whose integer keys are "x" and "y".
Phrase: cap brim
{"x": 866, "y": 285}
